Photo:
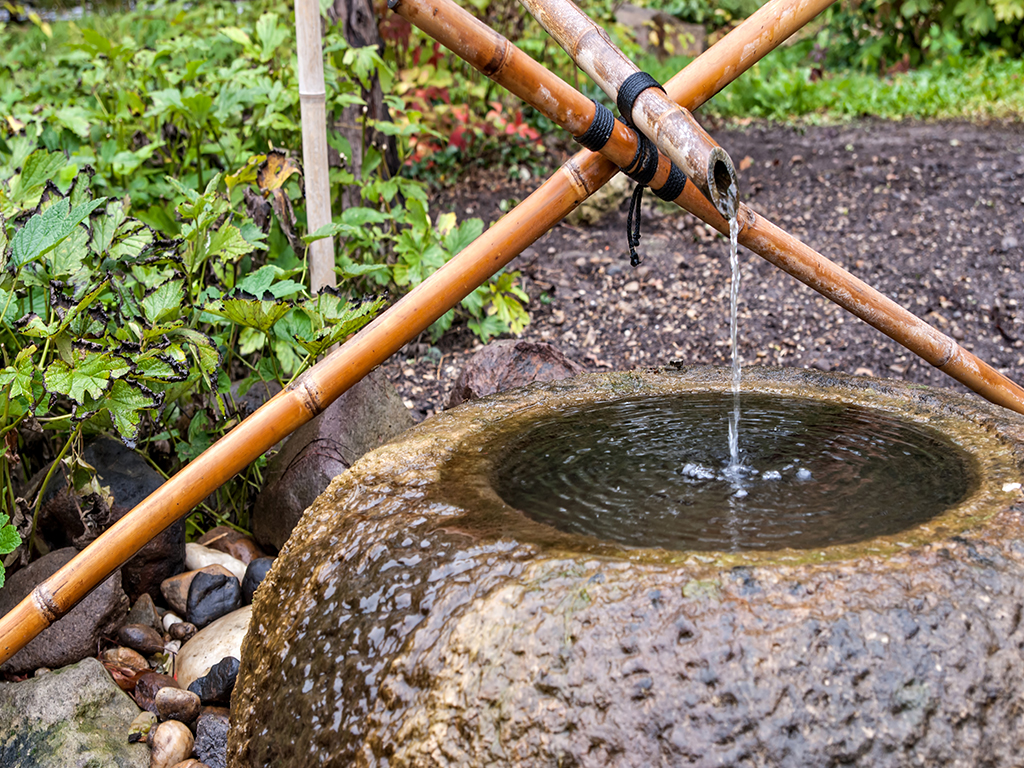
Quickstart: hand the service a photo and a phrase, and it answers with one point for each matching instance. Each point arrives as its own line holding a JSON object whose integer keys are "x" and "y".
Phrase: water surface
{"x": 652, "y": 472}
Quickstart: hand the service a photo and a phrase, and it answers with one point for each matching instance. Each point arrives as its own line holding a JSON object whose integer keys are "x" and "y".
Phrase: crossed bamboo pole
{"x": 580, "y": 177}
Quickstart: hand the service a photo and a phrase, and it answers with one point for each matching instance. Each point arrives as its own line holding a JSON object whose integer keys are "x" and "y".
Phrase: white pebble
{"x": 803, "y": 474}
{"x": 1011, "y": 487}
{"x": 197, "y": 556}
{"x": 170, "y": 619}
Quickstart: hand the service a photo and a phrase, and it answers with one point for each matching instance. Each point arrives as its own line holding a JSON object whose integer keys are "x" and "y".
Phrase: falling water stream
{"x": 734, "y": 295}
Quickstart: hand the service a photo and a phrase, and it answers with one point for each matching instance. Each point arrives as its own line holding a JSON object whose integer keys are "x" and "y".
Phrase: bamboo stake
{"x": 315, "y": 171}
{"x": 580, "y": 177}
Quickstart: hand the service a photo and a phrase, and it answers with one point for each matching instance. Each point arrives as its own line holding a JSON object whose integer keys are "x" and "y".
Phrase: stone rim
{"x": 462, "y": 444}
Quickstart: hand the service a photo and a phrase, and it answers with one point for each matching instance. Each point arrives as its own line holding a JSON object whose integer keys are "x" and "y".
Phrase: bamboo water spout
{"x": 580, "y": 177}
{"x": 668, "y": 125}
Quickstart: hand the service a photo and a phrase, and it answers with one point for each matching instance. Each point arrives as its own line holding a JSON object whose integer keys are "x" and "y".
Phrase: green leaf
{"x": 252, "y": 313}
{"x": 39, "y": 167}
{"x": 126, "y": 401}
{"x": 466, "y": 233}
{"x": 228, "y": 241}
{"x": 236, "y": 35}
{"x": 270, "y": 35}
{"x": 90, "y": 375}
{"x": 163, "y": 302}
{"x": 45, "y": 231}
{"x": 202, "y": 346}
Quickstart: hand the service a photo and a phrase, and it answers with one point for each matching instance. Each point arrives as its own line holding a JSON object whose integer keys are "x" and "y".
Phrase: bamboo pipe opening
{"x": 722, "y": 183}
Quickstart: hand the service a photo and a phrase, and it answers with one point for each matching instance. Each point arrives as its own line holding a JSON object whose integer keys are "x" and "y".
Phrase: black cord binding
{"x": 600, "y": 129}
{"x": 630, "y": 89}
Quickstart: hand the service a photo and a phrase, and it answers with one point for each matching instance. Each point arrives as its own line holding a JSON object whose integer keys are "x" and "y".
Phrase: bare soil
{"x": 930, "y": 214}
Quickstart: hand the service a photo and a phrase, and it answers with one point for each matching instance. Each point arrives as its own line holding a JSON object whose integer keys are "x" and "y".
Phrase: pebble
{"x": 1009, "y": 243}
{"x": 176, "y": 704}
{"x": 126, "y": 657}
{"x": 216, "y": 685}
{"x": 183, "y": 631}
{"x": 232, "y": 542}
{"x": 190, "y": 763}
{"x": 210, "y": 596}
{"x": 210, "y": 645}
{"x": 147, "y": 687}
{"x": 170, "y": 619}
{"x": 141, "y": 727}
{"x": 254, "y": 575}
{"x": 212, "y": 736}
{"x": 197, "y": 556}
{"x": 171, "y": 743}
{"x": 175, "y": 589}
{"x": 144, "y": 612}
{"x": 141, "y": 638}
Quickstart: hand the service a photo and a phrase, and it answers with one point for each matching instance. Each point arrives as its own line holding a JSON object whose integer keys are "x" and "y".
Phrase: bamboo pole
{"x": 500, "y": 60}
{"x": 668, "y": 125}
{"x": 578, "y": 178}
{"x": 315, "y": 170}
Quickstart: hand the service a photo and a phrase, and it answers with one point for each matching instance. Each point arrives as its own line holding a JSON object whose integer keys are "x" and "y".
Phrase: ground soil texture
{"x": 931, "y": 215}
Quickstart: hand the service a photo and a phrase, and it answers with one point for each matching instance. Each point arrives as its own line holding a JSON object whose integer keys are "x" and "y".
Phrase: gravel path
{"x": 930, "y": 214}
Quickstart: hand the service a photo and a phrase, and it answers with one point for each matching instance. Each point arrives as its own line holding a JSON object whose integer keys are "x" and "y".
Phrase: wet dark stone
{"x": 141, "y": 638}
{"x": 210, "y": 596}
{"x": 216, "y": 685}
{"x": 182, "y": 630}
{"x": 509, "y": 363}
{"x": 147, "y": 687}
{"x": 74, "y": 636}
{"x": 212, "y": 736}
{"x": 254, "y": 575}
{"x": 431, "y": 620}
{"x": 144, "y": 612}
{"x": 176, "y": 704}
{"x": 365, "y": 417}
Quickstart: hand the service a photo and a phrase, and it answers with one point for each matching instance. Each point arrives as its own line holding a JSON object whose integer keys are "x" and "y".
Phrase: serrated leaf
{"x": 126, "y": 402}
{"x": 252, "y": 313}
{"x": 163, "y": 302}
{"x": 39, "y": 167}
{"x": 45, "y": 231}
{"x": 466, "y": 233}
{"x": 228, "y": 241}
{"x": 332, "y": 320}
{"x": 203, "y": 346}
{"x": 91, "y": 375}
{"x": 105, "y": 227}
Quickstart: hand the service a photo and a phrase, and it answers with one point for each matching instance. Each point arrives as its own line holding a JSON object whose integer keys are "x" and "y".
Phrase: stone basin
{"x": 415, "y": 619}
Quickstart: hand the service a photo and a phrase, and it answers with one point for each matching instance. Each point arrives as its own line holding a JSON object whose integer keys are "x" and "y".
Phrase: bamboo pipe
{"x": 668, "y": 125}
{"x": 504, "y": 63}
{"x": 578, "y": 178}
{"x": 313, "y": 108}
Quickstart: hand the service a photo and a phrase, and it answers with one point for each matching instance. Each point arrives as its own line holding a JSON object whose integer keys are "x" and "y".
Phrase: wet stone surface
{"x": 400, "y": 626}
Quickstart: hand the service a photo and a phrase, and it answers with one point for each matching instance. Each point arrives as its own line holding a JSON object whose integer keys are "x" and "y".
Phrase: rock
{"x": 76, "y": 635}
{"x": 661, "y": 33}
{"x": 191, "y": 762}
{"x": 75, "y": 717}
{"x": 254, "y": 575}
{"x": 143, "y": 639}
{"x": 176, "y": 704}
{"x": 509, "y": 363}
{"x": 1009, "y": 243}
{"x": 170, "y": 618}
{"x": 219, "y": 640}
{"x": 127, "y": 658}
{"x": 608, "y": 198}
{"x": 231, "y": 542}
{"x": 365, "y": 417}
{"x": 141, "y": 727}
{"x": 175, "y": 589}
{"x": 123, "y": 479}
{"x": 210, "y": 596}
{"x": 148, "y": 686}
{"x": 212, "y": 736}
{"x": 182, "y": 631}
{"x": 197, "y": 557}
{"x": 216, "y": 685}
{"x": 144, "y": 612}
{"x": 456, "y": 626}
{"x": 171, "y": 744}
